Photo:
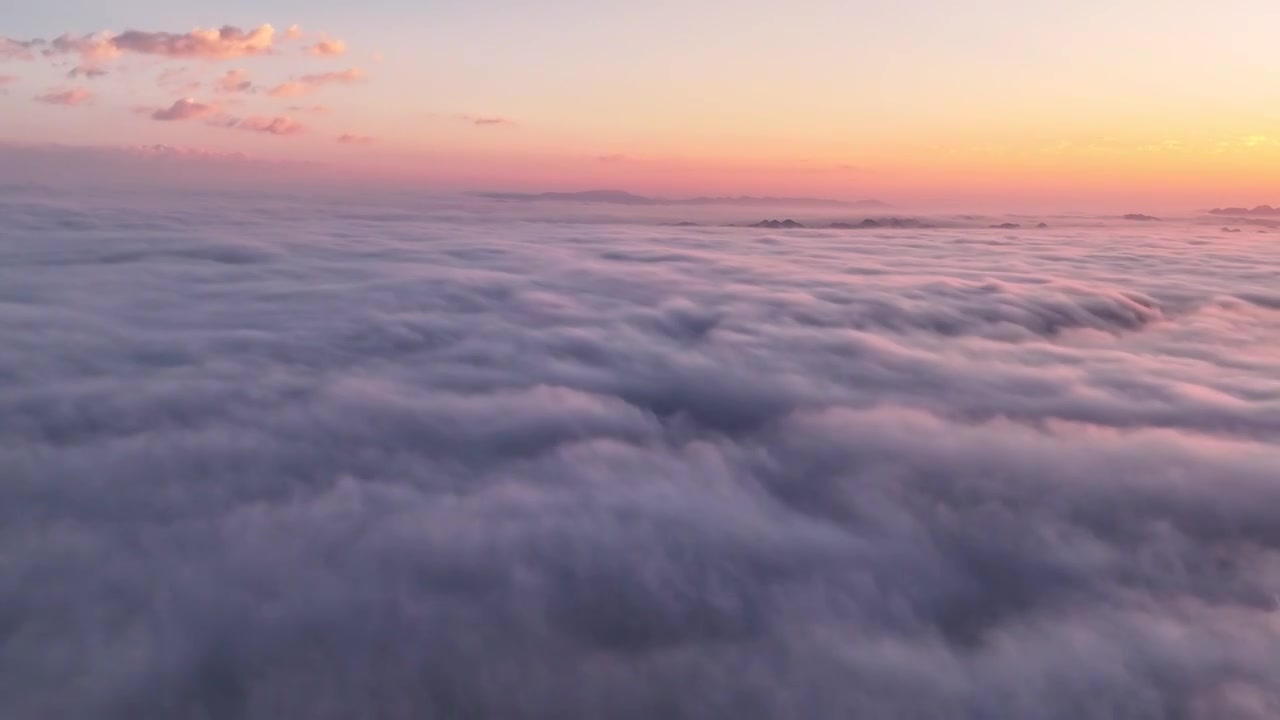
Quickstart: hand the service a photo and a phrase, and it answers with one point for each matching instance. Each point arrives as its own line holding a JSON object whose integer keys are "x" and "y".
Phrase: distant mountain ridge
{"x": 1263, "y": 210}
{"x": 621, "y": 197}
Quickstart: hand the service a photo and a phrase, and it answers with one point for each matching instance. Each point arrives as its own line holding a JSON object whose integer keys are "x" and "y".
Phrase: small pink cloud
{"x": 88, "y": 71}
{"x": 487, "y": 121}
{"x": 293, "y": 32}
{"x": 377, "y": 57}
{"x": 350, "y": 139}
{"x": 91, "y": 48}
{"x": 72, "y": 97}
{"x": 614, "y": 158}
{"x": 185, "y": 109}
{"x": 6, "y": 80}
{"x": 172, "y": 76}
{"x": 290, "y": 89}
{"x": 11, "y": 49}
{"x": 328, "y": 48}
{"x": 273, "y": 125}
{"x": 308, "y": 83}
{"x": 233, "y": 81}
{"x": 313, "y": 109}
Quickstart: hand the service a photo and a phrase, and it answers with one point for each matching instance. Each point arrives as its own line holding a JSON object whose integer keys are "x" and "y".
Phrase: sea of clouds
{"x": 271, "y": 457}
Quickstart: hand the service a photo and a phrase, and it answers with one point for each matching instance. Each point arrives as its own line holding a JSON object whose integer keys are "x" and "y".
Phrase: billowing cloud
{"x": 272, "y": 125}
{"x": 308, "y": 83}
{"x": 185, "y": 109}
{"x": 353, "y": 139}
{"x": 233, "y": 81}
{"x": 328, "y": 48}
{"x": 73, "y": 96}
{"x": 293, "y": 32}
{"x": 289, "y": 457}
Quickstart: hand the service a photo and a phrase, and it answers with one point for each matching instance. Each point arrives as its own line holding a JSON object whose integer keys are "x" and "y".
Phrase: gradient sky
{"x": 1087, "y": 101}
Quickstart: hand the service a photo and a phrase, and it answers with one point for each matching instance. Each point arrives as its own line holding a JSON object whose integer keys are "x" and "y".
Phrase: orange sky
{"x": 1084, "y": 104}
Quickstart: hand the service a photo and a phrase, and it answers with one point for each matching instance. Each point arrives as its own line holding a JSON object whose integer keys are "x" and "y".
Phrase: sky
{"x": 1083, "y": 103}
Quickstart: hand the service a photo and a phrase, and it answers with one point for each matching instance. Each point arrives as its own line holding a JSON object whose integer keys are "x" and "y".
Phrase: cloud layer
{"x": 359, "y": 457}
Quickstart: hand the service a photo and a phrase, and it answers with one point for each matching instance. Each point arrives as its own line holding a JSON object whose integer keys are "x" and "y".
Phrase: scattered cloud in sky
{"x": 486, "y": 120}
{"x": 612, "y": 158}
{"x": 212, "y": 44}
{"x": 272, "y": 125}
{"x": 233, "y": 81}
{"x": 328, "y": 48}
{"x": 185, "y": 109}
{"x": 71, "y": 97}
{"x": 394, "y": 459}
{"x": 11, "y": 49}
{"x": 353, "y": 139}
{"x": 6, "y": 80}
{"x": 309, "y": 83}
{"x": 311, "y": 109}
{"x": 293, "y": 32}
{"x": 87, "y": 71}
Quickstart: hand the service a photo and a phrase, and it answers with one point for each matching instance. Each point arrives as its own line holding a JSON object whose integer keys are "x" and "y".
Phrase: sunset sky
{"x": 1088, "y": 101}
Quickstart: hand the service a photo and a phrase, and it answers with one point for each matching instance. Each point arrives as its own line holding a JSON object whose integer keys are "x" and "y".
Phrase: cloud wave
{"x": 361, "y": 456}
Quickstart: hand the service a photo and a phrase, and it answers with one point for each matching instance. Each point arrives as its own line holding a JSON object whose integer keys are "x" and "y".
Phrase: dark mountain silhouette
{"x": 787, "y": 224}
{"x": 1261, "y": 210}
{"x": 615, "y": 197}
{"x": 1141, "y": 218}
{"x": 620, "y": 197}
{"x": 1042, "y": 225}
{"x": 871, "y": 223}
{"x": 791, "y": 202}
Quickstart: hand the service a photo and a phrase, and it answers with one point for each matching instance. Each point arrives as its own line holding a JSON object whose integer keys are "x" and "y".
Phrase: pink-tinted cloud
{"x": 290, "y": 89}
{"x": 487, "y": 121}
{"x": 614, "y": 158}
{"x": 11, "y": 49}
{"x": 328, "y": 48}
{"x": 87, "y": 71}
{"x": 6, "y": 80}
{"x": 293, "y": 32}
{"x": 185, "y": 109}
{"x": 352, "y": 139}
{"x": 213, "y": 44}
{"x": 92, "y": 48}
{"x": 227, "y": 42}
{"x": 72, "y": 97}
{"x": 233, "y": 81}
{"x": 308, "y": 83}
{"x": 313, "y": 109}
{"x": 272, "y": 125}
